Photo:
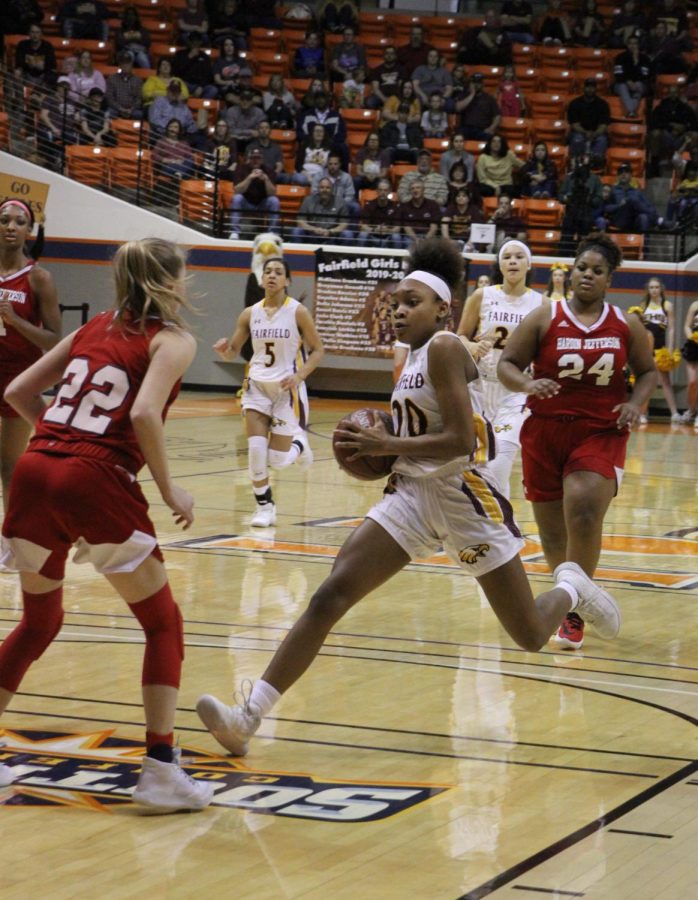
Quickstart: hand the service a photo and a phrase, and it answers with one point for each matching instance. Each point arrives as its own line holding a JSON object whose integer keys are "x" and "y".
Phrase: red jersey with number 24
{"x": 586, "y": 361}
{"x": 91, "y": 413}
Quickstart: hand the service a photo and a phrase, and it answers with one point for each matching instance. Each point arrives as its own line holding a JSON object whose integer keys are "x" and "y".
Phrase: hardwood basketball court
{"x": 423, "y": 755}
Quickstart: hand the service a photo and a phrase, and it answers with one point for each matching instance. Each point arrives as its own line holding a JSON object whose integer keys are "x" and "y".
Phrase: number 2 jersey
{"x": 415, "y": 410}
{"x": 91, "y": 412}
{"x": 500, "y": 313}
{"x": 586, "y": 361}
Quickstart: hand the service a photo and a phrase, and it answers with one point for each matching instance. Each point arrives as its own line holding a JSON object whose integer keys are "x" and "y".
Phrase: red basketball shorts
{"x": 59, "y": 501}
{"x": 7, "y": 411}
{"x": 553, "y": 448}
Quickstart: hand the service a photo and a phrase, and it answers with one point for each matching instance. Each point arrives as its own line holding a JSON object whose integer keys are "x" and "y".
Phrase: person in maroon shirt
{"x": 415, "y": 52}
{"x": 419, "y": 217}
{"x": 380, "y": 219}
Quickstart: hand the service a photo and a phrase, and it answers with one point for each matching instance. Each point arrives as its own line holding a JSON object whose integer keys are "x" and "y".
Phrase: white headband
{"x": 518, "y": 244}
{"x": 438, "y": 285}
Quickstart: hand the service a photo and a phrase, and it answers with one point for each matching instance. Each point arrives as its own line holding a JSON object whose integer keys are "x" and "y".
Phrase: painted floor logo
{"x": 98, "y": 771}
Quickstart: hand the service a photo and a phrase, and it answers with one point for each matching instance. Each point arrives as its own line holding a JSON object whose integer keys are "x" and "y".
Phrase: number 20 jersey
{"x": 91, "y": 413}
{"x": 586, "y": 361}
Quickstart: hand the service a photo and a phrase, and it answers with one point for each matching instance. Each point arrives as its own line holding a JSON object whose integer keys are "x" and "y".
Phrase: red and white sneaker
{"x": 570, "y": 635}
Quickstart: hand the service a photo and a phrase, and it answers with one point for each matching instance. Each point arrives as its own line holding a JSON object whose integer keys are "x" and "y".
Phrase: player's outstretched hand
{"x": 543, "y": 388}
{"x": 181, "y": 503}
{"x": 628, "y": 415}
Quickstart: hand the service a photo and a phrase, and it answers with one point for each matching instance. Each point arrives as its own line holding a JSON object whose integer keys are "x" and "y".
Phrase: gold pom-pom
{"x": 666, "y": 360}
{"x": 694, "y": 337}
{"x": 638, "y": 310}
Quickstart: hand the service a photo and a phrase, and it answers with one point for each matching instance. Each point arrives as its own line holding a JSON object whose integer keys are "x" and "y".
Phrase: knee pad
{"x": 40, "y": 623}
{"x": 279, "y": 459}
{"x": 257, "y": 448}
{"x": 161, "y": 621}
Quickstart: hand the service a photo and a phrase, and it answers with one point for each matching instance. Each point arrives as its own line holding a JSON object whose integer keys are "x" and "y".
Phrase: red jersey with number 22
{"x": 91, "y": 413}
{"x": 586, "y": 361}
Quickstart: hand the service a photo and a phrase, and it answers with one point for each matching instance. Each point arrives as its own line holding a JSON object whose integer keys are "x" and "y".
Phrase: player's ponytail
{"x": 148, "y": 277}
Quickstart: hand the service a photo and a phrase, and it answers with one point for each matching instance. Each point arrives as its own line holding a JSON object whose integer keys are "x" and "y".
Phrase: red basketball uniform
{"x": 576, "y": 430}
{"x": 16, "y": 352}
{"x": 82, "y": 461}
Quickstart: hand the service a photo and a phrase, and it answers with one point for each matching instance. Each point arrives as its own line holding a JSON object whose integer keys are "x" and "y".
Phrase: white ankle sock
{"x": 263, "y": 697}
{"x": 571, "y": 590}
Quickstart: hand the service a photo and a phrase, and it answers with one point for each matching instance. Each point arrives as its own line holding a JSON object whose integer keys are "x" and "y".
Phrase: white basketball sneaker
{"x": 305, "y": 458}
{"x": 265, "y": 516}
{"x": 596, "y": 606}
{"x": 7, "y": 776}
{"x": 231, "y": 726}
{"x": 167, "y": 788}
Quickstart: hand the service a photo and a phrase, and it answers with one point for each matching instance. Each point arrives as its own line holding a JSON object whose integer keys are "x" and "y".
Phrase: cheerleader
{"x": 558, "y": 283}
{"x": 689, "y": 351}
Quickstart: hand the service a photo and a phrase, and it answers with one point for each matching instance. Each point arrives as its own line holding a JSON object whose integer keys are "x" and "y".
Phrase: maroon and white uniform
{"x": 76, "y": 483}
{"x": 16, "y": 352}
{"x": 576, "y": 429}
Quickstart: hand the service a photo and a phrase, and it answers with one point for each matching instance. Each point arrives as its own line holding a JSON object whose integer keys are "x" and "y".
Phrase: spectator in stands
{"x": 272, "y": 154}
{"x": 193, "y": 65}
{"x": 227, "y": 70}
{"x": 86, "y": 19}
{"x": 321, "y": 219}
{"x": 496, "y": 168}
{"x": 386, "y": 79}
{"x": 432, "y": 78}
{"x": 405, "y": 95}
{"x": 244, "y": 119}
{"x": 309, "y": 58}
{"x": 589, "y": 117}
{"x": 172, "y": 157}
{"x": 556, "y": 26}
{"x": 580, "y": 191}
{"x": 665, "y": 52}
{"x": 589, "y": 29}
{"x": 631, "y": 72}
{"x": 415, "y": 52}
{"x": 457, "y": 180}
{"x": 672, "y": 121}
{"x": 479, "y": 112}
{"x": 192, "y": 20}
{"x": 322, "y": 114}
{"x": 56, "y": 123}
{"x": 510, "y": 226}
{"x": 132, "y": 36}
{"x": 17, "y": 17}
{"x": 172, "y": 106}
{"x": 487, "y": 44}
{"x": 35, "y": 60}
{"x": 93, "y": 122}
{"x": 85, "y": 77}
{"x": 228, "y": 21}
{"x": 404, "y": 139}
{"x": 457, "y": 153}
{"x": 371, "y": 163}
{"x": 517, "y": 21}
{"x": 435, "y": 119}
{"x": 435, "y": 185}
{"x": 336, "y": 15}
{"x": 262, "y": 14}
{"x": 419, "y": 216}
{"x": 683, "y": 203}
{"x": 354, "y": 90}
{"x": 459, "y": 87}
{"x": 312, "y": 155}
{"x": 125, "y": 90}
{"x": 679, "y": 161}
{"x": 255, "y": 192}
{"x": 308, "y": 99}
{"x": 342, "y": 185}
{"x": 538, "y": 175}
{"x": 380, "y": 219}
{"x": 510, "y": 100}
{"x": 158, "y": 84}
{"x": 220, "y": 153}
{"x": 279, "y": 104}
{"x": 346, "y": 56}
{"x": 674, "y": 18}
{"x": 627, "y": 22}
{"x": 460, "y": 214}
{"x": 629, "y": 209}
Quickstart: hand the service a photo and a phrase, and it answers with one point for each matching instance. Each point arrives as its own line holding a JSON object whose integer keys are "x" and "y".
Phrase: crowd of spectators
{"x": 416, "y": 93}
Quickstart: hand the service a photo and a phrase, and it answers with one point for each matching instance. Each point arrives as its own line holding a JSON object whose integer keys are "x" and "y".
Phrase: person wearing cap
{"x": 133, "y": 37}
{"x": 628, "y": 209}
{"x": 402, "y": 138}
{"x": 589, "y": 117}
{"x": 479, "y": 111}
{"x": 163, "y": 109}
{"x": 125, "y": 90}
{"x": 255, "y": 192}
{"x": 193, "y": 65}
{"x": 244, "y": 119}
{"x": 435, "y": 185}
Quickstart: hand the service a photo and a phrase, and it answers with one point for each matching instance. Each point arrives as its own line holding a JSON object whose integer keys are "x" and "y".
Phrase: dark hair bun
{"x": 439, "y": 256}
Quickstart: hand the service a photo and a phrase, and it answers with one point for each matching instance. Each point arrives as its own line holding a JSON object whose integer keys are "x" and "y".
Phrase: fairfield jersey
{"x": 501, "y": 314}
{"x": 276, "y": 341}
{"x": 587, "y": 362}
{"x": 415, "y": 410}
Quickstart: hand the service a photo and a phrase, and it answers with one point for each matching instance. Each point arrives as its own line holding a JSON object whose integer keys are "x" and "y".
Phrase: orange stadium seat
{"x": 618, "y": 113}
{"x": 555, "y": 56}
{"x": 617, "y": 155}
{"x": 550, "y": 130}
{"x": 559, "y": 153}
{"x": 492, "y": 75}
{"x": 627, "y": 134}
{"x": 89, "y": 165}
{"x": 128, "y": 132}
{"x": 632, "y": 245}
{"x": 356, "y": 120}
{"x": 528, "y": 79}
{"x": 130, "y": 167}
{"x": 437, "y": 147}
{"x": 589, "y": 60}
{"x": 524, "y": 55}
{"x": 269, "y": 63}
{"x": 515, "y": 130}
{"x": 4, "y": 131}
{"x": 265, "y": 39}
{"x": 442, "y": 27}
{"x": 542, "y": 104}
{"x": 544, "y": 213}
{"x": 543, "y": 243}
{"x": 559, "y": 81}
{"x": 196, "y": 202}
{"x": 290, "y": 197}
{"x": 371, "y": 22}
{"x": 287, "y": 141}
{"x": 212, "y": 107}
{"x": 664, "y": 82}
